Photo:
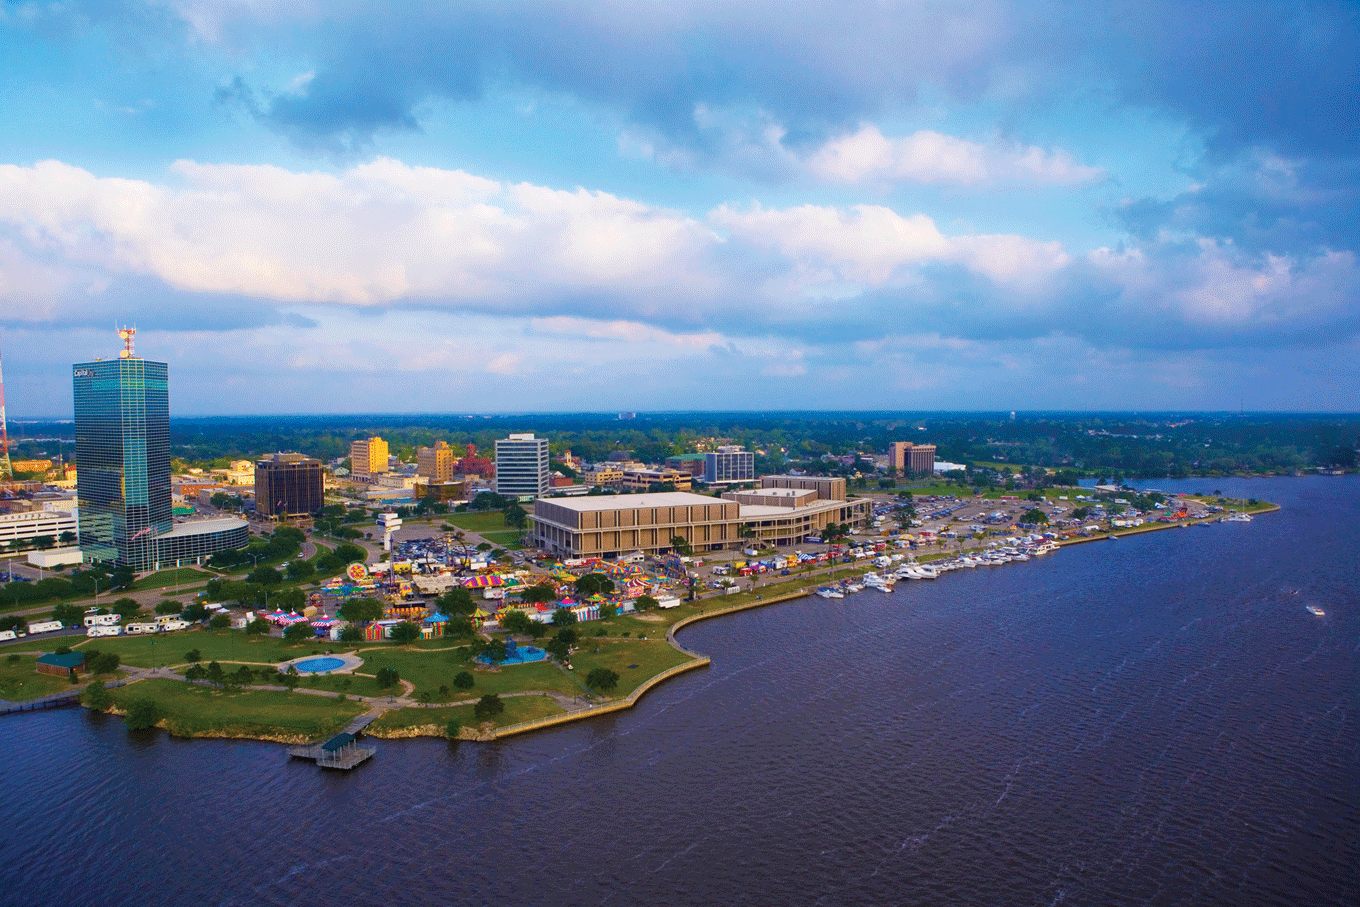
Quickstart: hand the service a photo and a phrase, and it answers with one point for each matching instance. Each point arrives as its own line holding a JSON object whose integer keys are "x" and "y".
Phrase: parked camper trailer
{"x": 104, "y": 630}
{"x": 140, "y": 629}
{"x": 101, "y": 620}
{"x": 44, "y": 626}
{"x": 173, "y": 623}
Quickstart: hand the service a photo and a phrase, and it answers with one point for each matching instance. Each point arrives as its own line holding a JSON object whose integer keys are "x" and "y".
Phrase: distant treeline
{"x": 1131, "y": 445}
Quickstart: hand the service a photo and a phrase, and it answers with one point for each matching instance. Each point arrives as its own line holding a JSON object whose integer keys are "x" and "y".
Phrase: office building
{"x": 522, "y": 466}
{"x": 729, "y": 463}
{"x": 289, "y": 484}
{"x": 906, "y": 457}
{"x": 607, "y": 526}
{"x": 368, "y": 458}
{"x": 785, "y": 510}
{"x": 122, "y": 427}
{"x": 436, "y": 464}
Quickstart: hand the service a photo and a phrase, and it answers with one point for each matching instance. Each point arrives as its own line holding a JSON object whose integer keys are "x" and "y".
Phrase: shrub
{"x": 488, "y": 707}
{"x": 142, "y": 714}
{"x": 193, "y": 655}
{"x": 463, "y": 680}
{"x": 453, "y": 729}
{"x": 602, "y": 680}
{"x": 388, "y": 677}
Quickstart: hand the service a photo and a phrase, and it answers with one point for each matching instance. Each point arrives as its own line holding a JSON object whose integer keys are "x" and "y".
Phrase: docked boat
{"x": 828, "y": 592}
{"x": 1238, "y": 517}
{"x": 1316, "y": 611}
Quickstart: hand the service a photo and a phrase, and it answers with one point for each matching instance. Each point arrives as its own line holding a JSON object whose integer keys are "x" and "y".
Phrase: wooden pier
{"x": 341, "y": 751}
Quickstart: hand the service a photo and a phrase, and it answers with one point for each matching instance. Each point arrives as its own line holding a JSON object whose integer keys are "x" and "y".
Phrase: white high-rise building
{"x": 729, "y": 463}
{"x": 522, "y": 466}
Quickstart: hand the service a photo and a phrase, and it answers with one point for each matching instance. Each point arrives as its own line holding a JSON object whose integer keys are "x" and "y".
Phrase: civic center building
{"x": 784, "y": 511}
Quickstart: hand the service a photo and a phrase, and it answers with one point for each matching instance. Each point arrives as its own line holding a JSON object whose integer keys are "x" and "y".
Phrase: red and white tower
{"x": 6, "y": 470}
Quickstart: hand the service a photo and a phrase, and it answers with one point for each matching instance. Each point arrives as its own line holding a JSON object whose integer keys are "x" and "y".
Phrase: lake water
{"x": 1155, "y": 720}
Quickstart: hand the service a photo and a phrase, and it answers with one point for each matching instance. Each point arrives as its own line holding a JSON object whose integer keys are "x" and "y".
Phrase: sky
{"x": 336, "y": 207}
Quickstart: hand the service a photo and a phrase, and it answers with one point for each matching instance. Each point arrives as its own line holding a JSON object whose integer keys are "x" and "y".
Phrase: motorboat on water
{"x": 1316, "y": 611}
{"x": 828, "y": 592}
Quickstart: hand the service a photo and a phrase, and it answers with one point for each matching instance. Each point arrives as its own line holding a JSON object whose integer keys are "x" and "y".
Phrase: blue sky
{"x": 350, "y": 207}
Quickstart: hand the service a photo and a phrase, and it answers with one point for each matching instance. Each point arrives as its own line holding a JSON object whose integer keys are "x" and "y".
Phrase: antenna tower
{"x": 126, "y": 334}
{"x": 6, "y": 470}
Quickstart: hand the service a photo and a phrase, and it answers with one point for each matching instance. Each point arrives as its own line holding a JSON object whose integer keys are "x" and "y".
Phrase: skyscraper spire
{"x": 6, "y": 470}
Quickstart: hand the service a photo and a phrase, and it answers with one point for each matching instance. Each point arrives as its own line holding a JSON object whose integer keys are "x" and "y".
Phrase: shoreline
{"x": 697, "y": 659}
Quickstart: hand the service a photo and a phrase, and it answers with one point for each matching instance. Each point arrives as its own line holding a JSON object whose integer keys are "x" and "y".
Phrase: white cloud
{"x": 376, "y": 233}
{"x": 927, "y": 156}
{"x": 872, "y": 246}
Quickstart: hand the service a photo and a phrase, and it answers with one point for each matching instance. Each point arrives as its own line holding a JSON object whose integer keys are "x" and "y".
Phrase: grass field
{"x": 20, "y": 680}
{"x": 222, "y": 645}
{"x": 167, "y": 578}
{"x": 517, "y": 709}
{"x": 634, "y": 660}
{"x": 192, "y": 710}
{"x": 347, "y": 684}
{"x": 485, "y": 521}
{"x": 508, "y": 538}
{"x": 431, "y": 670}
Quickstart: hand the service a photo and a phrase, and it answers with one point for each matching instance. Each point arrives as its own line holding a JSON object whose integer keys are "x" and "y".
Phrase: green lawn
{"x": 508, "y": 538}
{"x": 479, "y": 522}
{"x": 344, "y": 683}
{"x": 20, "y": 679}
{"x": 167, "y": 578}
{"x": 431, "y": 670}
{"x": 222, "y": 645}
{"x": 191, "y": 710}
{"x": 517, "y": 709}
{"x": 650, "y": 657}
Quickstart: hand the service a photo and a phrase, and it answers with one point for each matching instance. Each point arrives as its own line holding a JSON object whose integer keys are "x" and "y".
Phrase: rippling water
{"x": 1155, "y": 720}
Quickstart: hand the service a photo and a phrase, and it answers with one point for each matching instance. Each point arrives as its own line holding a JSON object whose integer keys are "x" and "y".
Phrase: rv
{"x": 104, "y": 630}
{"x": 139, "y": 629}
{"x": 173, "y": 623}
{"x": 101, "y": 620}
{"x": 44, "y": 626}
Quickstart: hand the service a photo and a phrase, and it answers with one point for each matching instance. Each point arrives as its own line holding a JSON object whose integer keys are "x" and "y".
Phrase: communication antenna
{"x": 6, "y": 470}
{"x": 126, "y": 334}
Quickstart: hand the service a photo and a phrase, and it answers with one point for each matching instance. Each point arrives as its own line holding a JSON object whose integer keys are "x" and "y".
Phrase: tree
{"x": 265, "y": 576}
{"x": 645, "y": 603}
{"x": 515, "y": 621}
{"x": 194, "y": 612}
{"x": 219, "y": 622}
{"x": 563, "y": 617}
{"x": 594, "y": 584}
{"x": 1034, "y": 515}
{"x": 388, "y": 677}
{"x": 494, "y": 651}
{"x": 488, "y": 707}
{"x": 168, "y": 607}
{"x": 405, "y": 633}
{"x": 516, "y": 517}
{"x": 291, "y": 678}
{"x": 122, "y": 578}
{"x": 299, "y": 569}
{"x": 298, "y": 632}
{"x": 539, "y": 594}
{"x": 361, "y": 610}
{"x": 258, "y": 627}
{"x": 196, "y": 672}
{"x": 454, "y": 729}
{"x": 681, "y": 546}
{"x": 456, "y": 601}
{"x": 142, "y": 713}
{"x": 125, "y": 607}
{"x": 193, "y": 656}
{"x": 458, "y": 627}
{"x": 602, "y": 680}
{"x": 68, "y": 537}
{"x": 351, "y": 634}
{"x": 1081, "y": 513}
{"x": 69, "y": 615}
{"x": 569, "y": 635}
{"x": 104, "y": 663}
{"x": 45, "y": 541}
{"x": 557, "y": 647}
{"x": 463, "y": 680}
{"x": 215, "y": 674}
{"x": 96, "y": 697}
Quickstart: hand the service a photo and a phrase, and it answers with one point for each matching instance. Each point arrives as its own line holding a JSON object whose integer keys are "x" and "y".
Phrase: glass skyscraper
{"x": 122, "y": 409}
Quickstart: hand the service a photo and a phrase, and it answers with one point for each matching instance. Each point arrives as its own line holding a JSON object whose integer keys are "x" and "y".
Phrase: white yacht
{"x": 828, "y": 592}
{"x": 1316, "y": 611}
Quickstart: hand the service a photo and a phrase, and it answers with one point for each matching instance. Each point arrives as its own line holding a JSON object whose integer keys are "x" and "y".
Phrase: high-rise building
{"x": 367, "y": 457}
{"x": 729, "y": 463}
{"x": 905, "y": 457}
{"x": 122, "y": 410}
{"x": 436, "y": 463}
{"x": 289, "y": 484}
{"x": 522, "y": 466}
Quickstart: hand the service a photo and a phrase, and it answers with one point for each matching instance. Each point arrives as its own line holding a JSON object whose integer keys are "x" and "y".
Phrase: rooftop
{"x": 203, "y": 527}
{"x": 635, "y": 501}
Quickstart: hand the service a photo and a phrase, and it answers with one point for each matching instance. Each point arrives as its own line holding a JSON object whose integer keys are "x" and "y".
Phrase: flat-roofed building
{"x": 606, "y": 475}
{"x": 786, "y": 510}
{"x": 33, "y": 524}
{"x": 729, "y": 463}
{"x": 522, "y": 466}
{"x": 906, "y": 457}
{"x": 693, "y": 464}
{"x": 606, "y": 526}
{"x": 828, "y": 488}
{"x": 368, "y": 458}
{"x": 642, "y": 479}
{"x": 289, "y": 484}
{"x": 438, "y": 463}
